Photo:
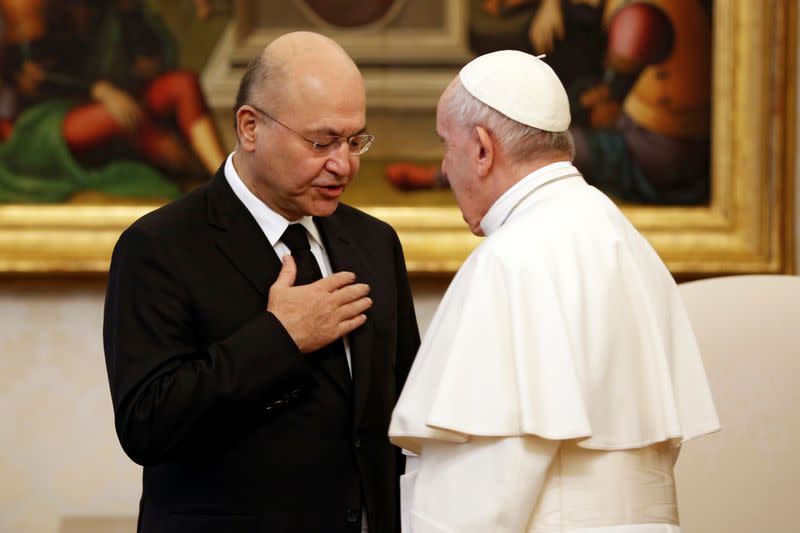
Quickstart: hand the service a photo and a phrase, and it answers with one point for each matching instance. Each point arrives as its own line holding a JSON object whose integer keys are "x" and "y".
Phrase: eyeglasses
{"x": 325, "y": 144}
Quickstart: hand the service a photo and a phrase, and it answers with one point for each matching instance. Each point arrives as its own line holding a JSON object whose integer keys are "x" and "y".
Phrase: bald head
{"x": 300, "y": 64}
{"x": 303, "y": 48}
{"x": 299, "y": 101}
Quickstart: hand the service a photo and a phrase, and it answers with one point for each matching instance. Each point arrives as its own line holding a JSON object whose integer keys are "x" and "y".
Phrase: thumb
{"x": 288, "y": 272}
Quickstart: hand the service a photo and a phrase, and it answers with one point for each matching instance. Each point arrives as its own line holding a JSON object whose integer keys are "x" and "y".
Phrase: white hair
{"x": 519, "y": 141}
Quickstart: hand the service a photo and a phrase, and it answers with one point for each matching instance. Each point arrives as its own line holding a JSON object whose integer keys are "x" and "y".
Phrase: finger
{"x": 288, "y": 273}
{"x": 348, "y": 311}
{"x": 350, "y": 293}
{"x": 348, "y": 326}
{"x": 336, "y": 281}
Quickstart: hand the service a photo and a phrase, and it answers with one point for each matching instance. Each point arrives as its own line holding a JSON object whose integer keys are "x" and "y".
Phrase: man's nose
{"x": 339, "y": 160}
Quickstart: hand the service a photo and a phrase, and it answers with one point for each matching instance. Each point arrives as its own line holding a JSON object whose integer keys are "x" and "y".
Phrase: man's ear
{"x": 486, "y": 151}
{"x": 246, "y": 128}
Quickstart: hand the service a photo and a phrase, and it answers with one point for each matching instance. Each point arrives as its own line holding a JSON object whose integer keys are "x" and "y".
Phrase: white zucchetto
{"x": 520, "y": 86}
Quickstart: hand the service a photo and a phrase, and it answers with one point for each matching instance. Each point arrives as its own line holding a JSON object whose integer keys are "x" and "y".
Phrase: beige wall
{"x": 58, "y": 451}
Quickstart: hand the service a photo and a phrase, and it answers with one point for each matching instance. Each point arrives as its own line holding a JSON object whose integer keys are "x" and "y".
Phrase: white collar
{"x": 501, "y": 209}
{"x": 271, "y": 223}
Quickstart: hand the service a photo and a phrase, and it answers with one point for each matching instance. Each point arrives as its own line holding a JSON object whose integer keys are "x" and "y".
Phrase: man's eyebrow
{"x": 335, "y": 133}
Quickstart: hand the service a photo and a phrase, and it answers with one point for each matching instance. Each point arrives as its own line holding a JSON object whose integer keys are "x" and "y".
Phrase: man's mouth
{"x": 331, "y": 191}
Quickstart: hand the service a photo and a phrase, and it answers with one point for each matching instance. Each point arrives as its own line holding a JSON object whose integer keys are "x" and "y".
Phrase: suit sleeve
{"x": 171, "y": 397}
{"x": 486, "y": 484}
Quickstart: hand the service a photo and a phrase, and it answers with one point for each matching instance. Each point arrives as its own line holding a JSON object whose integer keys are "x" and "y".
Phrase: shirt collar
{"x": 273, "y": 224}
{"x": 501, "y": 209}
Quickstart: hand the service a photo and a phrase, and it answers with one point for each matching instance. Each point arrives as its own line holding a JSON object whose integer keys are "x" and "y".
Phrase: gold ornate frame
{"x": 748, "y": 227}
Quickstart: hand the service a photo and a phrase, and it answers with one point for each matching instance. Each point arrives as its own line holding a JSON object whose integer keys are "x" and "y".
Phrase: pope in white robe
{"x": 560, "y": 375}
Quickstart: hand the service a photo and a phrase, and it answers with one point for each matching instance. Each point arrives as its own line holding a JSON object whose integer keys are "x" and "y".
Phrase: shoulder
{"x": 567, "y": 235}
{"x": 554, "y": 229}
{"x": 172, "y": 220}
{"x": 169, "y": 239}
{"x": 576, "y": 210}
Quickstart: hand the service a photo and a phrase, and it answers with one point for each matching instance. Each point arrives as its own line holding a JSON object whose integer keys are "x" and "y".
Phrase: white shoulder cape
{"x": 564, "y": 324}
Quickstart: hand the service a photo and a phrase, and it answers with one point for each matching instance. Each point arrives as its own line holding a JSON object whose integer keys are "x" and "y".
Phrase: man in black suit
{"x": 258, "y": 399}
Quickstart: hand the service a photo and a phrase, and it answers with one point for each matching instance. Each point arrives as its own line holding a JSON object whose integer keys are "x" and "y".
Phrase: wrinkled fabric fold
{"x": 588, "y": 341}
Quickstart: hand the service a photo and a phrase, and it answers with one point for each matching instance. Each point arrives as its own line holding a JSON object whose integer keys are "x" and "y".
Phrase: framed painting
{"x": 739, "y": 218}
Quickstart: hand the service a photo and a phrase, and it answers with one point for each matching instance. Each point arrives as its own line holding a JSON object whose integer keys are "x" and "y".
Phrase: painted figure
{"x": 97, "y": 85}
{"x": 641, "y": 111}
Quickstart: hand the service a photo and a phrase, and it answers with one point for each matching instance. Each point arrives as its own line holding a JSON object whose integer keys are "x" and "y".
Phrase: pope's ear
{"x": 486, "y": 150}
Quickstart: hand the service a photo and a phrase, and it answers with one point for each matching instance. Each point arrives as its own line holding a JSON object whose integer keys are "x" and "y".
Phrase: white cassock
{"x": 558, "y": 377}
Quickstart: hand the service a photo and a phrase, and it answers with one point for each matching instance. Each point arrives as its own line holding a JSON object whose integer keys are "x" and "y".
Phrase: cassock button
{"x": 351, "y": 516}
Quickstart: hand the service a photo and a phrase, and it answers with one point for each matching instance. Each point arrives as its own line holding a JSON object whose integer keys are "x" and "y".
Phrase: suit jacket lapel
{"x": 248, "y": 249}
{"x": 241, "y": 239}
{"x": 345, "y": 256}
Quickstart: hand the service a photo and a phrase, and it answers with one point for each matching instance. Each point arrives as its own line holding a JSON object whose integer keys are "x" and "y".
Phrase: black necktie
{"x": 332, "y": 356}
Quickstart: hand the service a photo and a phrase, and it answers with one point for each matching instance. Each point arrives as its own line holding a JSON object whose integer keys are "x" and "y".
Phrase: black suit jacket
{"x": 236, "y": 429}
